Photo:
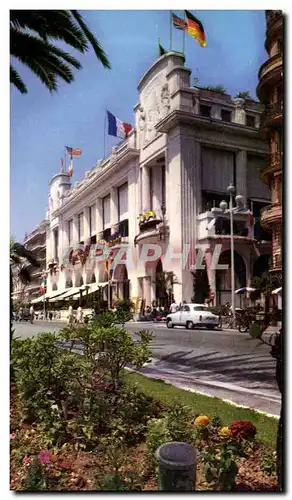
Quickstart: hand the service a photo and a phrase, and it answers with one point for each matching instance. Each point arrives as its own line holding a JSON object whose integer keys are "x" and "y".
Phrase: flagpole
{"x": 64, "y": 159}
{"x": 104, "y": 137}
{"x": 170, "y": 36}
{"x": 184, "y": 37}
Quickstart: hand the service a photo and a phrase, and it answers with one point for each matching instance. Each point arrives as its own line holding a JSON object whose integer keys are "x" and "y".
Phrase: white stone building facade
{"x": 187, "y": 146}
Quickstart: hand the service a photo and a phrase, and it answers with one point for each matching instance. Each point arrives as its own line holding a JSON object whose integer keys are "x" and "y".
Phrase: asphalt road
{"x": 226, "y": 364}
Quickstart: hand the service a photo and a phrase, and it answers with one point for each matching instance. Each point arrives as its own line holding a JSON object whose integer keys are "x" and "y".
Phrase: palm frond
{"x": 100, "y": 54}
{"x": 47, "y": 24}
{"x": 24, "y": 275}
{"x": 15, "y": 259}
{"x": 17, "y": 81}
{"x": 19, "y": 250}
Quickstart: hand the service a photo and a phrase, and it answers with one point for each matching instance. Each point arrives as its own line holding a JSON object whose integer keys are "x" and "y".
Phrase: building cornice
{"x": 177, "y": 117}
{"x": 101, "y": 175}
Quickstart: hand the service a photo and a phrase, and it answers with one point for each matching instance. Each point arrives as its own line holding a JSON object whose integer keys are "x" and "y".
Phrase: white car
{"x": 191, "y": 315}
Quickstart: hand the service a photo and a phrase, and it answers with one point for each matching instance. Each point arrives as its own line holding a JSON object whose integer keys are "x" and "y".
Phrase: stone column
{"x": 86, "y": 223}
{"x": 211, "y": 273}
{"x": 114, "y": 208}
{"x": 99, "y": 221}
{"x": 75, "y": 230}
{"x": 146, "y": 204}
{"x": 241, "y": 174}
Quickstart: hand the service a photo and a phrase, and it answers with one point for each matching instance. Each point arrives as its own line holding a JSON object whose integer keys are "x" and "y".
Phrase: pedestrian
{"x": 70, "y": 317}
{"x": 173, "y": 307}
{"x": 20, "y": 314}
{"x": 79, "y": 315}
{"x": 50, "y": 315}
{"x": 31, "y": 313}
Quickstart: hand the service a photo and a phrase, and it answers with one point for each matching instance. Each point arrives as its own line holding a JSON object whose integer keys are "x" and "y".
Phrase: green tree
{"x": 20, "y": 259}
{"x": 216, "y": 88}
{"x": 264, "y": 285}
{"x": 31, "y": 35}
{"x": 244, "y": 94}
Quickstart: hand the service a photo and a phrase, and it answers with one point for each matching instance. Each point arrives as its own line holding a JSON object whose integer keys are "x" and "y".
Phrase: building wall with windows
{"x": 163, "y": 186}
{"x": 270, "y": 93}
{"x": 35, "y": 242}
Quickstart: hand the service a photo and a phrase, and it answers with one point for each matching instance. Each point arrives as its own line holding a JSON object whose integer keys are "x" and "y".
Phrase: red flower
{"x": 64, "y": 465}
{"x": 243, "y": 429}
{"x": 45, "y": 456}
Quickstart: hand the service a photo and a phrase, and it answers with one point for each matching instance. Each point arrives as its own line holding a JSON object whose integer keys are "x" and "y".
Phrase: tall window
{"x": 56, "y": 244}
{"x": 123, "y": 201}
{"x": 92, "y": 220}
{"x": 151, "y": 188}
{"x": 250, "y": 120}
{"x": 163, "y": 185}
{"x": 226, "y": 115}
{"x": 205, "y": 110}
{"x": 70, "y": 231}
{"x": 106, "y": 212}
{"x": 80, "y": 226}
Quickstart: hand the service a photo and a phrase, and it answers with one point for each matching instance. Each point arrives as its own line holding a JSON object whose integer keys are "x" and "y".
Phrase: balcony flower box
{"x": 148, "y": 219}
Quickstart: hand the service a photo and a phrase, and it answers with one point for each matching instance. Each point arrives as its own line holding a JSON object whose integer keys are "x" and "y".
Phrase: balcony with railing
{"x": 272, "y": 116}
{"x": 152, "y": 223}
{"x": 274, "y": 165}
{"x": 115, "y": 235}
{"x": 271, "y": 214}
{"x": 270, "y": 74}
{"x": 215, "y": 224}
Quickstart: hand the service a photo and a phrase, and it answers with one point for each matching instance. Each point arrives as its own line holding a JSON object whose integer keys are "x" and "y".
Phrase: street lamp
{"x": 223, "y": 205}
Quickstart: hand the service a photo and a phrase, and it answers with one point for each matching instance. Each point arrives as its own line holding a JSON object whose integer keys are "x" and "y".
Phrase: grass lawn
{"x": 169, "y": 394}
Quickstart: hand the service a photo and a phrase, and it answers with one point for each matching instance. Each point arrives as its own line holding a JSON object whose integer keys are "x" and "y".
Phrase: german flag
{"x": 195, "y": 28}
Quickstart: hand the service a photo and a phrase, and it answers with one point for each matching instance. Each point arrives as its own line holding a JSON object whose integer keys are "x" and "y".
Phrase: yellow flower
{"x": 202, "y": 421}
{"x": 225, "y": 432}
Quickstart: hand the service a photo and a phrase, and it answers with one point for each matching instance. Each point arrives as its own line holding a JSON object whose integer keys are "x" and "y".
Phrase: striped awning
{"x": 39, "y": 299}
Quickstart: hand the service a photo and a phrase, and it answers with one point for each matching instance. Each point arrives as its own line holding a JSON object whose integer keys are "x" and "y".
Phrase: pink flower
{"x": 45, "y": 456}
{"x": 25, "y": 460}
{"x": 12, "y": 435}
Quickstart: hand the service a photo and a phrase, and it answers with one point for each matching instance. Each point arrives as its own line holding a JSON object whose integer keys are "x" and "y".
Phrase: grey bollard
{"x": 177, "y": 466}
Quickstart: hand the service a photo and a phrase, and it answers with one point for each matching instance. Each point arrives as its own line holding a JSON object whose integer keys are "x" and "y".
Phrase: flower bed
{"x": 77, "y": 425}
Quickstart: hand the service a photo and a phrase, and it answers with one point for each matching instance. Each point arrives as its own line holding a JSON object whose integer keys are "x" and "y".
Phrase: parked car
{"x": 191, "y": 315}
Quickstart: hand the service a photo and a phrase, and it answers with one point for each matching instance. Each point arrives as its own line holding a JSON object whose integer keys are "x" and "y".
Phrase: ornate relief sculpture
{"x": 165, "y": 98}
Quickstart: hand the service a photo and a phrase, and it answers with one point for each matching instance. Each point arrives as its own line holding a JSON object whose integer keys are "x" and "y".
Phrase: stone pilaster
{"x": 86, "y": 222}
{"x": 146, "y": 204}
{"x": 241, "y": 174}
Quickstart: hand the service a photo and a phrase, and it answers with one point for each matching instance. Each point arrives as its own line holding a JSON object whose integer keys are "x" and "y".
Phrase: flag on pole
{"x": 117, "y": 128}
{"x": 70, "y": 169}
{"x": 73, "y": 152}
{"x": 178, "y": 23}
{"x": 162, "y": 51}
{"x": 195, "y": 28}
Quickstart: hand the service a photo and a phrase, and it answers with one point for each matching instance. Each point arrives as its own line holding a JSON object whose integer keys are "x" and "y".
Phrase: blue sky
{"x": 43, "y": 123}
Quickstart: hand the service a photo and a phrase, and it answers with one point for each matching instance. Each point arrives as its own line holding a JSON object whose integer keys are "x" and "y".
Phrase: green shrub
{"x": 268, "y": 462}
{"x": 175, "y": 425}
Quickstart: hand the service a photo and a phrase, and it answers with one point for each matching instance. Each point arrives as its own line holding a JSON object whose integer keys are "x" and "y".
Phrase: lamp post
{"x": 223, "y": 205}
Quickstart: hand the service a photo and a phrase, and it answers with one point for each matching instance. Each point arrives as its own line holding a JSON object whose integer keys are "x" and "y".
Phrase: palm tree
{"x": 31, "y": 36}
{"x": 20, "y": 259}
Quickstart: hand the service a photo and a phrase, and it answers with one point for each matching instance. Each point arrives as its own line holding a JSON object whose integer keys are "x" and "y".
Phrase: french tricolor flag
{"x": 117, "y": 128}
